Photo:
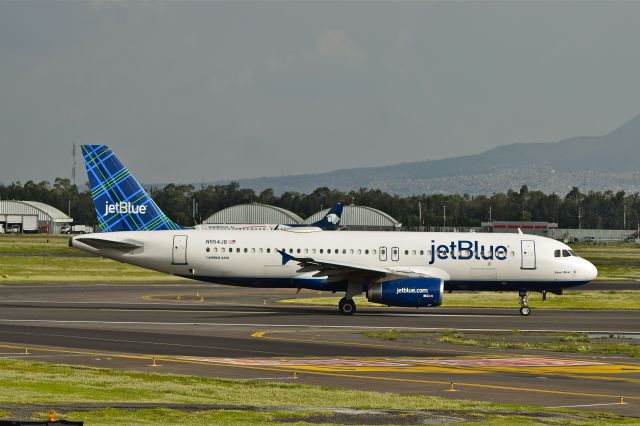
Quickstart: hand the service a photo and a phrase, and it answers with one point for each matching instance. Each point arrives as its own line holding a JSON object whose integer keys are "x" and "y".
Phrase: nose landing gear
{"x": 525, "y": 310}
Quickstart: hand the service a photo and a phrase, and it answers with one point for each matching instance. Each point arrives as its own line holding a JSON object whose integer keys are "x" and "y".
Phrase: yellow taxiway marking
{"x": 330, "y": 374}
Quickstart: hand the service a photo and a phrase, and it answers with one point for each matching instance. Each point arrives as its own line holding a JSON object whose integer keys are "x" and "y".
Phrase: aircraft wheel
{"x": 346, "y": 306}
{"x": 525, "y": 311}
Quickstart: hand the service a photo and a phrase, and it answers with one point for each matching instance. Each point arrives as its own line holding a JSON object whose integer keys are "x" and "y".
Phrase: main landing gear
{"x": 347, "y": 306}
{"x": 525, "y": 310}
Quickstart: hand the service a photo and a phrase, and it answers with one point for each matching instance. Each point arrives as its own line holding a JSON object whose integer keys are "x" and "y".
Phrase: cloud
{"x": 336, "y": 45}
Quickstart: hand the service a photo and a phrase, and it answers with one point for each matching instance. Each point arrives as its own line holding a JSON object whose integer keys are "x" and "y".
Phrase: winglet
{"x": 285, "y": 257}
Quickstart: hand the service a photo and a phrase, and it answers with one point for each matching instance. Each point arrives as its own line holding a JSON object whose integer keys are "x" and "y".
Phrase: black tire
{"x": 525, "y": 311}
{"x": 346, "y": 306}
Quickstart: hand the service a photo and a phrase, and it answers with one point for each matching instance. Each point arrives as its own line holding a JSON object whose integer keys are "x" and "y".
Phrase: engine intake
{"x": 407, "y": 292}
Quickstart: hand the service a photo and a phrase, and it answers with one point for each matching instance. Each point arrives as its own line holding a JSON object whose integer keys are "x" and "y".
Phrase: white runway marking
{"x": 267, "y": 325}
{"x": 586, "y": 405}
{"x": 209, "y": 311}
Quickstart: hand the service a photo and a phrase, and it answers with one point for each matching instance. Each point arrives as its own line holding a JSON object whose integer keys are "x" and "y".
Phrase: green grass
{"x": 572, "y": 299}
{"x": 558, "y": 342}
{"x": 37, "y": 244}
{"x": 615, "y": 262}
{"x": 164, "y": 416}
{"x": 78, "y": 269}
{"x": 40, "y": 383}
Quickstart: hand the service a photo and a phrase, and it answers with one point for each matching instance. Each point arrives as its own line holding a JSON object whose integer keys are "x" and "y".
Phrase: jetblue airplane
{"x": 408, "y": 269}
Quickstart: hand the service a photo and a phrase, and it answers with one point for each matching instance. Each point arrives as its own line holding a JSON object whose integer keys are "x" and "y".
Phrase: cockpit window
{"x": 573, "y": 253}
{"x": 557, "y": 253}
{"x": 565, "y": 253}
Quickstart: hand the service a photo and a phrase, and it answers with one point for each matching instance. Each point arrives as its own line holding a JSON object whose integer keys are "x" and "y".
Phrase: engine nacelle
{"x": 407, "y": 292}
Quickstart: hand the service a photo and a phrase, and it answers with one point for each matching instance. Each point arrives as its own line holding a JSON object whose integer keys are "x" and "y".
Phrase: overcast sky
{"x": 204, "y": 91}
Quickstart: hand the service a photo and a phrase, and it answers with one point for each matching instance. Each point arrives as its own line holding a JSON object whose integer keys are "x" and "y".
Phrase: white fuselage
{"x": 473, "y": 261}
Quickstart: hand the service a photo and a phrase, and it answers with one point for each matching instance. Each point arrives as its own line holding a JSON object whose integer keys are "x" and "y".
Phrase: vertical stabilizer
{"x": 332, "y": 219}
{"x": 121, "y": 202}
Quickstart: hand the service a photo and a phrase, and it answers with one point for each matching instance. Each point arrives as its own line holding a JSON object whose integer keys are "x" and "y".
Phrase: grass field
{"x": 74, "y": 269}
{"x": 37, "y": 245}
{"x": 615, "y": 262}
{"x": 40, "y": 383}
{"x": 558, "y": 342}
{"x": 43, "y": 258}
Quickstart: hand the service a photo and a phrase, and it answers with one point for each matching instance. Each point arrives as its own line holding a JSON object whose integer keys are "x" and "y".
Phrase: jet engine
{"x": 407, "y": 292}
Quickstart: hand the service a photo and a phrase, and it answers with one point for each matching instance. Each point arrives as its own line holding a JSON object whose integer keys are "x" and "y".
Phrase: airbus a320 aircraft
{"x": 410, "y": 269}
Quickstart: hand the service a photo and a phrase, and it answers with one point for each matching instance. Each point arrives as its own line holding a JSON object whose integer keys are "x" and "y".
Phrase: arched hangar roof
{"x": 44, "y": 211}
{"x": 359, "y": 216}
{"x": 254, "y": 213}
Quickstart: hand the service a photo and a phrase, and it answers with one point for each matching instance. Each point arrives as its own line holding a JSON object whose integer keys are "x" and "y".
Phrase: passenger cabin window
{"x": 208, "y": 249}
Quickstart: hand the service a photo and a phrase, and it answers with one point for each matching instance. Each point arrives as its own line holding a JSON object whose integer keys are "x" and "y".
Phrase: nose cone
{"x": 589, "y": 271}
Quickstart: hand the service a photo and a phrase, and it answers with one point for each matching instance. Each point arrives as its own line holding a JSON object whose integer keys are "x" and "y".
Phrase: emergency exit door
{"x": 179, "y": 250}
{"x": 528, "y": 251}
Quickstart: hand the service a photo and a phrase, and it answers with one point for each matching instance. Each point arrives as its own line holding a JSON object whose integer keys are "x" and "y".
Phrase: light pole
{"x": 444, "y": 216}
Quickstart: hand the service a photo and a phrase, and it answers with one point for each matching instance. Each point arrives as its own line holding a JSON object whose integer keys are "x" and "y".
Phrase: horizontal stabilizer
{"x": 100, "y": 243}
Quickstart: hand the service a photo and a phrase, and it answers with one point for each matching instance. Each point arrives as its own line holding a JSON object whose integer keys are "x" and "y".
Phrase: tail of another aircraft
{"x": 332, "y": 219}
{"x": 121, "y": 202}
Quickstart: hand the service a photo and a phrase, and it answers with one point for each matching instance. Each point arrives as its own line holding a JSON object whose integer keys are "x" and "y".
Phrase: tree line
{"x": 187, "y": 205}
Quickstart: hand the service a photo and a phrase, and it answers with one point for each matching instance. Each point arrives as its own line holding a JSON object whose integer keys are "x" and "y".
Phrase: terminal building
{"x": 31, "y": 217}
{"x": 544, "y": 229}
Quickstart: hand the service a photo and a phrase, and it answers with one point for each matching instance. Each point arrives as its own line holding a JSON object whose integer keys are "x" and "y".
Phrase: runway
{"x": 242, "y": 333}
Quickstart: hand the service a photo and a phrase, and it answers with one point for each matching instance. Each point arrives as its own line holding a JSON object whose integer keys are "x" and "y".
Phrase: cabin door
{"x": 383, "y": 254}
{"x": 528, "y": 248}
{"x": 395, "y": 254}
{"x": 179, "y": 250}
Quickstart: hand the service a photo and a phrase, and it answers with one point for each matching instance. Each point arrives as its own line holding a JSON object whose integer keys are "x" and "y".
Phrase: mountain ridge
{"x": 590, "y": 162}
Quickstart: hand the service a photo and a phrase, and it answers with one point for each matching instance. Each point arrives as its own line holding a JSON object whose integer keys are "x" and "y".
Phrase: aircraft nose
{"x": 590, "y": 271}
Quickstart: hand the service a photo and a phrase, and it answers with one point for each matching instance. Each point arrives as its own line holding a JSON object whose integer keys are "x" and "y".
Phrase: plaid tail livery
{"x": 121, "y": 202}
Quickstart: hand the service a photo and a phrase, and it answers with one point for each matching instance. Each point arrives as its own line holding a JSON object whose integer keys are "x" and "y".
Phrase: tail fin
{"x": 332, "y": 219}
{"x": 121, "y": 202}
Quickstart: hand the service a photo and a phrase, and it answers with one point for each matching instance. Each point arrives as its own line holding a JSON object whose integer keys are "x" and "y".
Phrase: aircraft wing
{"x": 338, "y": 270}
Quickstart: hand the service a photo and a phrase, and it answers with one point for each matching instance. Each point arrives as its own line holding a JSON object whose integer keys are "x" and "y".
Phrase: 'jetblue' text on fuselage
{"x": 466, "y": 250}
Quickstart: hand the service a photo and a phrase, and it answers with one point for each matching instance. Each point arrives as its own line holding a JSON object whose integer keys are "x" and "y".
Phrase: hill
{"x": 589, "y": 162}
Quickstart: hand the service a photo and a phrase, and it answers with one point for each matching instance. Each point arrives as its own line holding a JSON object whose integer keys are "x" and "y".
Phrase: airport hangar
{"x": 353, "y": 217}
{"x": 31, "y": 217}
